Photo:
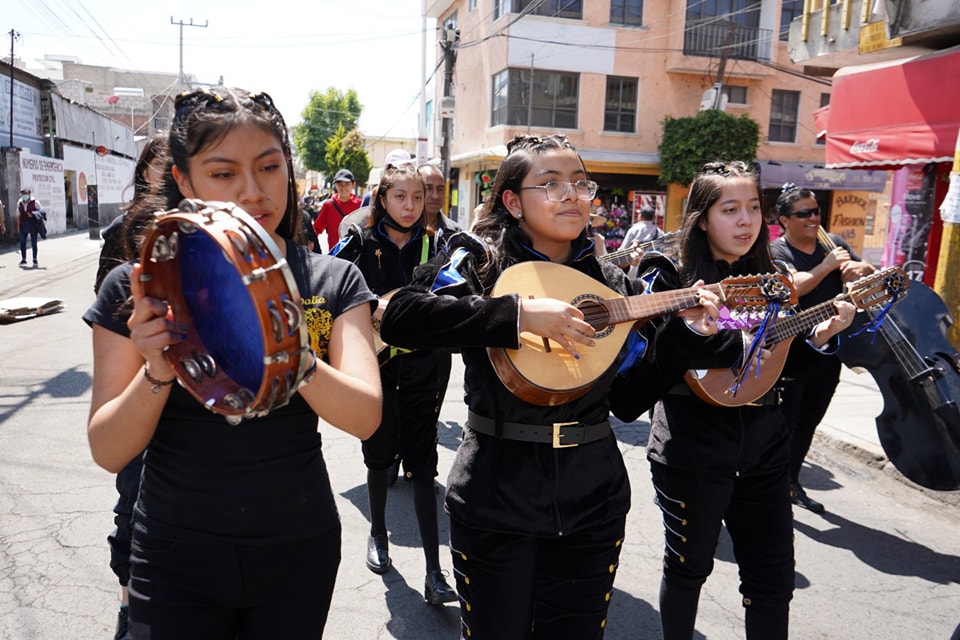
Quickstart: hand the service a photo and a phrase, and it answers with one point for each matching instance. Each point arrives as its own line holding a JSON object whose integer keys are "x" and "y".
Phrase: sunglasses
{"x": 806, "y": 213}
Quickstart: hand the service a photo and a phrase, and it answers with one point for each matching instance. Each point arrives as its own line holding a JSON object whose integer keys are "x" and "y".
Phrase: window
{"x": 626, "y": 12}
{"x": 735, "y": 95}
{"x": 783, "y": 116}
{"x": 552, "y": 8}
{"x": 824, "y": 101}
{"x": 554, "y": 103}
{"x": 620, "y": 110}
{"x": 789, "y": 9}
{"x": 732, "y": 24}
{"x": 471, "y": 5}
{"x": 500, "y": 7}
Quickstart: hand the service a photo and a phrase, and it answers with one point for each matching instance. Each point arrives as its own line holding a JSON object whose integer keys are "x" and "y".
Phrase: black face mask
{"x": 390, "y": 222}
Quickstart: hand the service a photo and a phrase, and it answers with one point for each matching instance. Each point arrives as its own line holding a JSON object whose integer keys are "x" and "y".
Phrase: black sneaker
{"x": 122, "y": 623}
{"x": 800, "y": 498}
{"x": 35, "y": 264}
{"x": 23, "y": 263}
{"x": 436, "y": 590}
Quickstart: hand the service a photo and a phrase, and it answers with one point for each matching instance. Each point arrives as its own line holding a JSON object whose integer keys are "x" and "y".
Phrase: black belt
{"x": 771, "y": 398}
{"x": 558, "y": 434}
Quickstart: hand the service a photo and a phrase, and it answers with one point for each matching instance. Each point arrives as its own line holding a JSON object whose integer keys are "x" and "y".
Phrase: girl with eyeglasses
{"x": 394, "y": 242}
{"x": 535, "y": 529}
{"x": 810, "y": 379}
{"x": 236, "y": 532}
{"x": 714, "y": 466}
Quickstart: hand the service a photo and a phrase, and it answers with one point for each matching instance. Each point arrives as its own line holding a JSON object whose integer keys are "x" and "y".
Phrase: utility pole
{"x": 14, "y": 34}
{"x": 449, "y": 40}
{"x": 182, "y": 25}
{"x": 724, "y": 54}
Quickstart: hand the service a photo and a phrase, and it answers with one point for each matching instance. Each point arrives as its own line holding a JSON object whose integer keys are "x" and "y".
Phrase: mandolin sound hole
{"x": 597, "y": 316}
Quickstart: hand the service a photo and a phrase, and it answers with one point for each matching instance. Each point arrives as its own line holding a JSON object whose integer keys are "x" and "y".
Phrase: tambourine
{"x": 226, "y": 281}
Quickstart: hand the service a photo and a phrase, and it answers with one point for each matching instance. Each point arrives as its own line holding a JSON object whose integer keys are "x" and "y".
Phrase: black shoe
{"x": 393, "y": 472}
{"x": 378, "y": 555}
{"x": 436, "y": 590}
{"x": 800, "y": 498}
{"x": 122, "y": 621}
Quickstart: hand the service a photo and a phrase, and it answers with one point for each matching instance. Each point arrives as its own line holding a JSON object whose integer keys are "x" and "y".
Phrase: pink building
{"x": 606, "y": 73}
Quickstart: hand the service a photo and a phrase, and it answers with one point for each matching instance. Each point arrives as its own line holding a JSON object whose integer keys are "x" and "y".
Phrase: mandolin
{"x": 718, "y": 386}
{"x": 542, "y": 372}
{"x": 668, "y": 244}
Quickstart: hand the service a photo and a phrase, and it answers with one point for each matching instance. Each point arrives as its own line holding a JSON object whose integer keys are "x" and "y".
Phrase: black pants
{"x": 516, "y": 586}
{"x": 128, "y": 487}
{"x": 758, "y": 515}
{"x": 806, "y": 399}
{"x": 408, "y": 428}
{"x": 184, "y": 591}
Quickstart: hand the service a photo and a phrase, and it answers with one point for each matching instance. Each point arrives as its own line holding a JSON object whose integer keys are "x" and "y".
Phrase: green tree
{"x": 712, "y": 135}
{"x": 324, "y": 113}
{"x": 345, "y": 151}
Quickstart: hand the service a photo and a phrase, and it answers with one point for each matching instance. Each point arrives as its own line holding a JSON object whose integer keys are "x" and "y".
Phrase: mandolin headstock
{"x": 754, "y": 293}
{"x": 878, "y": 289}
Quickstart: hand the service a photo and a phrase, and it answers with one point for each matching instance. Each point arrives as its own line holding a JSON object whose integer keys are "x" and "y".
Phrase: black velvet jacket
{"x": 507, "y": 485}
{"x": 688, "y": 433}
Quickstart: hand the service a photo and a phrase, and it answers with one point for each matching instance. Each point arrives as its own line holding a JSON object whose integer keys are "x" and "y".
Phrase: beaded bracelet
{"x": 156, "y": 385}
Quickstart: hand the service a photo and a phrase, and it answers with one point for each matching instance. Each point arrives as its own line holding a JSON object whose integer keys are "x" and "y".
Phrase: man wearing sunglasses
{"x": 810, "y": 378}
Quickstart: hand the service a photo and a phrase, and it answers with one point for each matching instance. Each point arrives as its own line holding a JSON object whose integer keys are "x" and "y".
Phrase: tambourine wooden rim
{"x": 265, "y": 276}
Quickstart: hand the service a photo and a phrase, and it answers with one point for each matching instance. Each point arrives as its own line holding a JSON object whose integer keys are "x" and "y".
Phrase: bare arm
{"x": 834, "y": 324}
{"x": 346, "y": 392}
{"x": 124, "y": 411}
{"x": 806, "y": 281}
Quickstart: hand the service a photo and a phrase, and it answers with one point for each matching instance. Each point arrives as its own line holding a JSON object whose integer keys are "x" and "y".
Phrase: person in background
{"x": 388, "y": 250}
{"x": 598, "y": 223}
{"x": 717, "y": 465}
{"x": 120, "y": 245}
{"x": 536, "y": 526}
{"x": 441, "y": 227}
{"x": 810, "y": 378}
{"x": 336, "y": 208}
{"x": 119, "y": 238}
{"x": 29, "y": 212}
{"x": 361, "y": 217}
{"x": 643, "y": 230}
{"x": 236, "y": 532}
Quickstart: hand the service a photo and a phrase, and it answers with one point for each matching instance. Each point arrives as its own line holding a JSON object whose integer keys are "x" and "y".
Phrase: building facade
{"x": 605, "y": 74}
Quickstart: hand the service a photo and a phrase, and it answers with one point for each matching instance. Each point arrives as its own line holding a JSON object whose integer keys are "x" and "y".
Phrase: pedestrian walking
{"x": 31, "y": 223}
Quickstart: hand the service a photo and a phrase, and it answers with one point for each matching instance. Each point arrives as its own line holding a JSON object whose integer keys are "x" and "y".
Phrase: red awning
{"x": 892, "y": 114}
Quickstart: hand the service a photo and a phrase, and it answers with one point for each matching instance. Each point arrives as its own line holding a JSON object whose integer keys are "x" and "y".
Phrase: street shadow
{"x": 814, "y": 476}
{"x": 449, "y": 434}
{"x": 634, "y": 433}
{"x": 631, "y": 617}
{"x": 413, "y": 619}
{"x": 400, "y": 516}
{"x": 71, "y": 383}
{"x": 885, "y": 552}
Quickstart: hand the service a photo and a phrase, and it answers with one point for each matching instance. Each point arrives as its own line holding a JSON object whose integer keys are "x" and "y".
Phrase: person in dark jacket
{"x": 810, "y": 379}
{"x": 537, "y": 495}
{"x": 722, "y": 465}
{"x": 387, "y": 250}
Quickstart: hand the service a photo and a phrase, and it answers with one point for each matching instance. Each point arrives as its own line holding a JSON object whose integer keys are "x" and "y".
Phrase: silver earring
{"x": 519, "y": 215}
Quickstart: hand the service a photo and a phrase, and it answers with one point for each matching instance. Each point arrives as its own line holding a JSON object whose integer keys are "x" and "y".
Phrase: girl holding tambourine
{"x": 236, "y": 532}
{"x": 393, "y": 243}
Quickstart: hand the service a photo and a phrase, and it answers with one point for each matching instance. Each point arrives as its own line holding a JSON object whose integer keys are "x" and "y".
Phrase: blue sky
{"x": 284, "y": 47}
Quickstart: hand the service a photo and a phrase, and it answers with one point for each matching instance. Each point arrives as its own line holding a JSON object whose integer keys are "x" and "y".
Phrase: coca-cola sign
{"x": 867, "y": 146}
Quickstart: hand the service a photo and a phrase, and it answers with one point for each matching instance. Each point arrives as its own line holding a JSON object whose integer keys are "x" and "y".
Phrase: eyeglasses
{"x": 557, "y": 190}
{"x": 806, "y": 213}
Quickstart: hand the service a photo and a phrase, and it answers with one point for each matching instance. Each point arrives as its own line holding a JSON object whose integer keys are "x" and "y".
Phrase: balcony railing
{"x": 744, "y": 43}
